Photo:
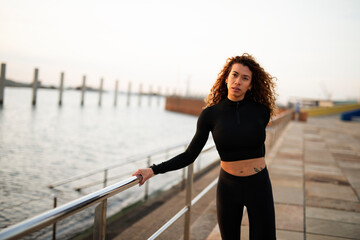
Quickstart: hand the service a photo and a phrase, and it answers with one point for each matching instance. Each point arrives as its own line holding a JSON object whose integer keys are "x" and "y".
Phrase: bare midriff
{"x": 244, "y": 168}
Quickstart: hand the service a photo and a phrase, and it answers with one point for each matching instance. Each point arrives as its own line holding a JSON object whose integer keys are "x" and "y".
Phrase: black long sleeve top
{"x": 238, "y": 129}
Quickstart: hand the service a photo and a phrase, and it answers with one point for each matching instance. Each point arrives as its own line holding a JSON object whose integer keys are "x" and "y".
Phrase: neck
{"x": 235, "y": 99}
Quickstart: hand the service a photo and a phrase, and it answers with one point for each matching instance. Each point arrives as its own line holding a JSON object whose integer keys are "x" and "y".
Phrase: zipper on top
{"x": 237, "y": 113}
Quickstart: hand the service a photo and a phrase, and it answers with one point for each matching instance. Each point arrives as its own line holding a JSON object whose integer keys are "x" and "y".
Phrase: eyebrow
{"x": 243, "y": 74}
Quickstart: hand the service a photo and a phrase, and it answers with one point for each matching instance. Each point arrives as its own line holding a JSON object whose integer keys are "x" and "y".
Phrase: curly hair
{"x": 263, "y": 84}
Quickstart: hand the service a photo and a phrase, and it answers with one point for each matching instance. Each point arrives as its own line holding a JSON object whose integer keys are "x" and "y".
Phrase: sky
{"x": 312, "y": 47}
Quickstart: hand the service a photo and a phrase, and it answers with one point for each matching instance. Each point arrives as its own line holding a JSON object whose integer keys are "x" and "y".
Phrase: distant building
{"x": 309, "y": 103}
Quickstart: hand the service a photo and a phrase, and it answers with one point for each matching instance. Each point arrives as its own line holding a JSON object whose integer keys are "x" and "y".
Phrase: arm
{"x": 193, "y": 150}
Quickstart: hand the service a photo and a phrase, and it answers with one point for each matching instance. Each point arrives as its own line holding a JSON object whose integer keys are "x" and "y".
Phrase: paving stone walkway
{"x": 315, "y": 172}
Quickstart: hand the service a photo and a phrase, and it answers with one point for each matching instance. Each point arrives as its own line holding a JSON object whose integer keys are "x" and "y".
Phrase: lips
{"x": 235, "y": 89}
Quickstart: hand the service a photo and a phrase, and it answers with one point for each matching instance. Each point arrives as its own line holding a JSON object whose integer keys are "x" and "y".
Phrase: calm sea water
{"x": 45, "y": 144}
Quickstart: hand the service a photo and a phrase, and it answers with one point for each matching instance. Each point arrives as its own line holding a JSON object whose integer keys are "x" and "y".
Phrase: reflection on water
{"x": 45, "y": 144}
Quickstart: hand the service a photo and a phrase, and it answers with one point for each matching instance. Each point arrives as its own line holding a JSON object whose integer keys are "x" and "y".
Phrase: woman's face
{"x": 238, "y": 82}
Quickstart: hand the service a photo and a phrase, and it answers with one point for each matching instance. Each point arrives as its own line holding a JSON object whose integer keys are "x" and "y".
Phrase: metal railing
{"x": 51, "y": 217}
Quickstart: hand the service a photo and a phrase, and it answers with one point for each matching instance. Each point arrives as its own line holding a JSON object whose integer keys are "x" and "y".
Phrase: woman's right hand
{"x": 145, "y": 173}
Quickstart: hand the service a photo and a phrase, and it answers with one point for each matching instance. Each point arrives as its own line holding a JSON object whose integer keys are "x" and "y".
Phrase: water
{"x": 45, "y": 144}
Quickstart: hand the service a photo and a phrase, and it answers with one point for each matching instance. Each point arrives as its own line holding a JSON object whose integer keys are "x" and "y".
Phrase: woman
{"x": 238, "y": 110}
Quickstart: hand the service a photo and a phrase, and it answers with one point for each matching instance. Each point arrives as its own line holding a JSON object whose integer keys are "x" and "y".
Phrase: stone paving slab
{"x": 336, "y": 204}
{"x": 333, "y": 215}
{"x": 289, "y": 217}
{"x": 288, "y": 195}
{"x": 328, "y": 190}
{"x": 322, "y": 237}
{"x": 332, "y": 228}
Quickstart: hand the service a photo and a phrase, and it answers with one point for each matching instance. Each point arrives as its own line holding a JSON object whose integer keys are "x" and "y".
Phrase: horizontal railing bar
{"x": 168, "y": 223}
{"x": 52, "y": 216}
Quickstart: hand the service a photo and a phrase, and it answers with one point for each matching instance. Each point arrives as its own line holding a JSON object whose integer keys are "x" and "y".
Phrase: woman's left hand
{"x": 145, "y": 173}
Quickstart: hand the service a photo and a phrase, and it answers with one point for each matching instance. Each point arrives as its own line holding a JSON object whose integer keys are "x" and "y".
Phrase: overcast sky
{"x": 311, "y": 46}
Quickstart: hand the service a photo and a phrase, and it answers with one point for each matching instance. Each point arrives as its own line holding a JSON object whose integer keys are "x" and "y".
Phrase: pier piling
{"x": 158, "y": 96}
{"x": 140, "y": 94}
{"x": 128, "y": 94}
{"x": 34, "y": 86}
{"x": 83, "y": 90}
{"x": 150, "y": 93}
{"x": 2, "y": 83}
{"x": 101, "y": 90}
{"x": 116, "y": 92}
{"x": 61, "y": 88}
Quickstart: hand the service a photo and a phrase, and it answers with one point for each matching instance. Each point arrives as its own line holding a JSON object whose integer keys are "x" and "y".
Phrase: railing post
{"x": 100, "y": 221}
{"x": 2, "y": 83}
{"x": 188, "y": 201}
{"x": 105, "y": 177}
{"x": 147, "y": 182}
{"x": 54, "y": 225}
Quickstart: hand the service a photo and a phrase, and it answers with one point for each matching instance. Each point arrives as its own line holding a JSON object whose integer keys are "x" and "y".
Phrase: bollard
{"x": 2, "y": 83}
{"x": 101, "y": 90}
{"x": 61, "y": 88}
{"x": 83, "y": 91}
{"x": 35, "y": 85}
{"x": 128, "y": 94}
{"x": 116, "y": 92}
{"x": 140, "y": 94}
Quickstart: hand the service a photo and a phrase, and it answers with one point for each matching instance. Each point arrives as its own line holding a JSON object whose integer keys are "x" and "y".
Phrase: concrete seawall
{"x": 191, "y": 106}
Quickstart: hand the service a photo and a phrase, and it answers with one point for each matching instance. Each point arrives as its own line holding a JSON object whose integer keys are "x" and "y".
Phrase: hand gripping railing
{"x": 50, "y": 217}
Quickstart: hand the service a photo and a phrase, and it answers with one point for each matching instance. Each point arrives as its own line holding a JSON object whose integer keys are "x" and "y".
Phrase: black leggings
{"x": 254, "y": 192}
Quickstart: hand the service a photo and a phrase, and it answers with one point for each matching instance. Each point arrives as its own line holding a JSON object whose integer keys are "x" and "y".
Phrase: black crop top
{"x": 238, "y": 129}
